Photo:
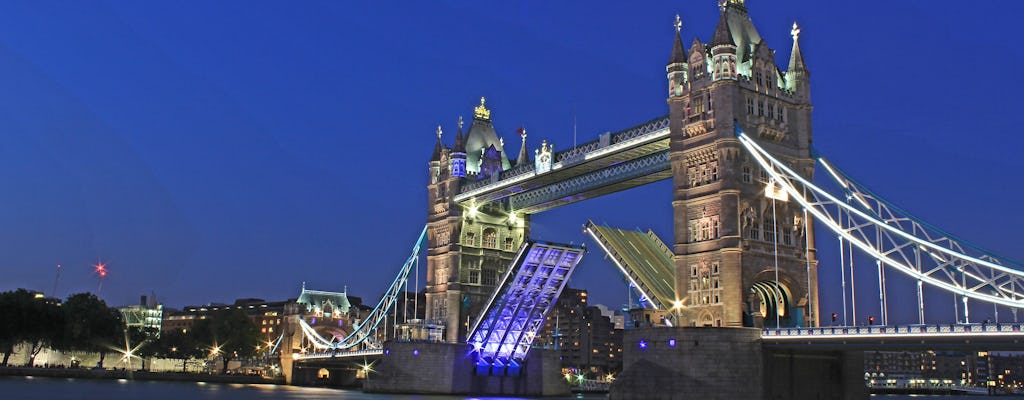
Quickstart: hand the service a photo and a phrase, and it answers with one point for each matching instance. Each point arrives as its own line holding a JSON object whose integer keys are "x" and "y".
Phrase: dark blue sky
{"x": 209, "y": 151}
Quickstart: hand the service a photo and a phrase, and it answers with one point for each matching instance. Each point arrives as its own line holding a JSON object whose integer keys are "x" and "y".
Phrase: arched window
{"x": 490, "y": 238}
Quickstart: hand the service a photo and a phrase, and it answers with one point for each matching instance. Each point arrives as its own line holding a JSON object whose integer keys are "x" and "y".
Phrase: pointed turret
{"x": 678, "y": 51}
{"x": 677, "y": 65}
{"x": 723, "y": 35}
{"x": 524, "y": 157}
{"x": 797, "y": 77}
{"x": 460, "y": 143}
{"x": 723, "y": 50}
{"x": 796, "y": 58}
{"x": 459, "y": 155}
{"x": 436, "y": 157}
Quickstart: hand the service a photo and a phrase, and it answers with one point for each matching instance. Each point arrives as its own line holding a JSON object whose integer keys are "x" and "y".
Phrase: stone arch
{"x": 323, "y": 373}
{"x": 767, "y": 298}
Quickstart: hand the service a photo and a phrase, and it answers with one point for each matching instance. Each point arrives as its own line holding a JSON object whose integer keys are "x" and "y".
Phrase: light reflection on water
{"x": 29, "y": 388}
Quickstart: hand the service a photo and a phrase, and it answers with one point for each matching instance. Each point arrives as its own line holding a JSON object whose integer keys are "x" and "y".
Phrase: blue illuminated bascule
{"x": 515, "y": 312}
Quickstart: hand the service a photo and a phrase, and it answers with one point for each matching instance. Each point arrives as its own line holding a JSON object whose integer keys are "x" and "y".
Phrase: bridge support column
{"x": 731, "y": 363}
{"x": 447, "y": 368}
{"x": 814, "y": 374}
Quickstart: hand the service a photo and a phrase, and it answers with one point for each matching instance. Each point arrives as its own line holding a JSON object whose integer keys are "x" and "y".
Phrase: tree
{"x": 178, "y": 345}
{"x": 27, "y": 317}
{"x": 230, "y": 334}
{"x": 89, "y": 325}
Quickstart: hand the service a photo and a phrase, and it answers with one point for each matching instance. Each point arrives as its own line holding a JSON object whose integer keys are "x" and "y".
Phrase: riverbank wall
{"x": 82, "y": 373}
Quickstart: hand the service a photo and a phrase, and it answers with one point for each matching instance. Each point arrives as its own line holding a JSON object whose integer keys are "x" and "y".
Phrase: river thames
{"x": 30, "y": 388}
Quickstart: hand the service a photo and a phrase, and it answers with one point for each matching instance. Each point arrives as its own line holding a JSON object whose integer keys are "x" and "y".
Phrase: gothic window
{"x": 691, "y": 172}
{"x": 490, "y": 238}
{"x": 750, "y": 105}
{"x": 769, "y": 229}
{"x": 782, "y": 114}
{"x": 754, "y": 231}
{"x": 442, "y": 191}
{"x": 746, "y": 174}
{"x": 440, "y": 308}
{"x": 713, "y": 168}
{"x": 509, "y": 243}
{"x": 698, "y": 105}
{"x": 787, "y": 237}
{"x": 758, "y": 78}
{"x": 764, "y": 175}
{"x": 760, "y": 107}
{"x": 470, "y": 239}
{"x": 441, "y": 275}
{"x": 711, "y": 102}
{"x": 704, "y": 228}
{"x": 489, "y": 277}
{"x": 771, "y": 111}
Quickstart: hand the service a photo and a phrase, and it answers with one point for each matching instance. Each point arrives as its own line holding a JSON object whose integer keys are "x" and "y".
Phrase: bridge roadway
{"x": 989, "y": 337}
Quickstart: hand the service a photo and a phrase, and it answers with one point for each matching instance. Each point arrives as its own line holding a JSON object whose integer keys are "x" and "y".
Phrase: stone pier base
{"x": 445, "y": 368}
{"x": 731, "y": 363}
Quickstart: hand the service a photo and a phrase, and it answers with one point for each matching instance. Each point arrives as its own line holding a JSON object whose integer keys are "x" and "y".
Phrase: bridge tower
{"x": 726, "y": 229}
{"x": 469, "y": 246}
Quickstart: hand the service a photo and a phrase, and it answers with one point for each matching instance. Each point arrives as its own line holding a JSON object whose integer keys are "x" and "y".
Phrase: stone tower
{"x": 468, "y": 248}
{"x": 726, "y": 229}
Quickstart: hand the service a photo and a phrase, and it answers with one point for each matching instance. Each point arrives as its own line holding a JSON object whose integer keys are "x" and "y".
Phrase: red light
{"x": 101, "y": 269}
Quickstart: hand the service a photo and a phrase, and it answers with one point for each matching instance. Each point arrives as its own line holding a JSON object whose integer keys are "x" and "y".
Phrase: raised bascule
{"x": 738, "y": 282}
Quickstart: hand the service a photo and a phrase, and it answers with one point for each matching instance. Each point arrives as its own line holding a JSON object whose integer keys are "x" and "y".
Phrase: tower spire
{"x": 678, "y": 51}
{"x": 460, "y": 145}
{"x": 796, "y": 58}
{"x": 437, "y": 146}
{"x": 524, "y": 157}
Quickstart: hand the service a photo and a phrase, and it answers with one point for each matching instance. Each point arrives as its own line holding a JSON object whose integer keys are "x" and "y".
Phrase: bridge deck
{"x": 644, "y": 258}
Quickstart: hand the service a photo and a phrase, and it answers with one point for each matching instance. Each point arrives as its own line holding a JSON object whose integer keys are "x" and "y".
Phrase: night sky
{"x": 213, "y": 150}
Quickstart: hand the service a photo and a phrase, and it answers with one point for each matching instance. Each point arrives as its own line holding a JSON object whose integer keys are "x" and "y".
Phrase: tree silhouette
{"x": 91, "y": 326}
{"x": 230, "y": 334}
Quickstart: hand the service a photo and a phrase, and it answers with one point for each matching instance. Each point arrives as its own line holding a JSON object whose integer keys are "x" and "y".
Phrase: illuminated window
{"x": 509, "y": 244}
{"x": 490, "y": 238}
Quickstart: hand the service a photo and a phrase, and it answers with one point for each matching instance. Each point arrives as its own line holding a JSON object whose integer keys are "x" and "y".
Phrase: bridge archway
{"x": 768, "y": 299}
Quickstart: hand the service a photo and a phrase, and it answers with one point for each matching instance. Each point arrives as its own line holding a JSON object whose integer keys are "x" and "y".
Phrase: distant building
{"x": 147, "y": 316}
{"x": 268, "y": 315}
{"x": 587, "y": 336}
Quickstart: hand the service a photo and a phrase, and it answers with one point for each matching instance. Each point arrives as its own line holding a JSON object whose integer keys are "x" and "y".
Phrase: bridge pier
{"x": 447, "y": 368}
{"x": 730, "y": 363}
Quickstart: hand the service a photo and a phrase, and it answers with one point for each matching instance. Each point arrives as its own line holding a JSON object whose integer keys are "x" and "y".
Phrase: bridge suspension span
{"x": 364, "y": 336}
{"x": 894, "y": 238}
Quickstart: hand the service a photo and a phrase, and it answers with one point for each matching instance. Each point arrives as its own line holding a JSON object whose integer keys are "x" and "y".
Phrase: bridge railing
{"x": 319, "y": 355}
{"x": 1012, "y": 328}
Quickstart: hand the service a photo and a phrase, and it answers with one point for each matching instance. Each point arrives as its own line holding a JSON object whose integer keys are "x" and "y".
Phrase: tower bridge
{"x": 739, "y": 277}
